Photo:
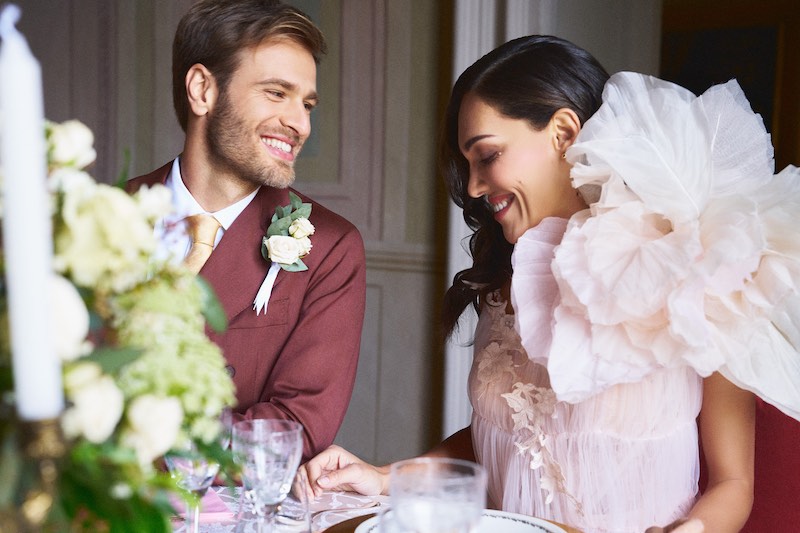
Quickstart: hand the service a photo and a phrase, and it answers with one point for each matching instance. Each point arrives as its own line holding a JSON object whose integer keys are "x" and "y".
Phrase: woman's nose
{"x": 476, "y": 187}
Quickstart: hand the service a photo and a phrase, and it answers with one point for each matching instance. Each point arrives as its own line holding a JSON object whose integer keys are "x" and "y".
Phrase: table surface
{"x": 342, "y": 512}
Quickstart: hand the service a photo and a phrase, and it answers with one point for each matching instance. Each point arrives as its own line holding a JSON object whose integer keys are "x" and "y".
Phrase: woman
{"x": 595, "y": 357}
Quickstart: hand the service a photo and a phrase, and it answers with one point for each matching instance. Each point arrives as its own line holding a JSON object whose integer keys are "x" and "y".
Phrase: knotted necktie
{"x": 202, "y": 229}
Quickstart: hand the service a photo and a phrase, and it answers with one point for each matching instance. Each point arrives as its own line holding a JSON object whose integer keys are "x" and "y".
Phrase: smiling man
{"x": 244, "y": 85}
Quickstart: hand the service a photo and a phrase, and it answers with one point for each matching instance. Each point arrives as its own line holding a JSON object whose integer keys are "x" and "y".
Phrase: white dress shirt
{"x": 174, "y": 241}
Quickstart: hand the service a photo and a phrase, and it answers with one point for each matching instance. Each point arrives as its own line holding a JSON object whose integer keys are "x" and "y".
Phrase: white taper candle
{"x": 27, "y": 233}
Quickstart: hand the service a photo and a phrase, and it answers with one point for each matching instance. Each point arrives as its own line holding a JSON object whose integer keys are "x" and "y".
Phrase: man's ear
{"x": 566, "y": 126}
{"x": 201, "y": 89}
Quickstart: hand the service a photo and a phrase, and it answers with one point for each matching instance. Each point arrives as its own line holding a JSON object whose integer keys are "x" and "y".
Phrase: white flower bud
{"x": 96, "y": 409}
{"x": 70, "y": 319}
{"x": 301, "y": 227}
{"x": 71, "y": 144}
{"x": 154, "y": 424}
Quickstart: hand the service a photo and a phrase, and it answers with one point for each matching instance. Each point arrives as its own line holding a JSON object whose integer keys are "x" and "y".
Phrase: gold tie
{"x": 203, "y": 231}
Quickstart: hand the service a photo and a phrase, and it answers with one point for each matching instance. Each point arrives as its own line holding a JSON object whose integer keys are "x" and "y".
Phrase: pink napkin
{"x": 212, "y": 508}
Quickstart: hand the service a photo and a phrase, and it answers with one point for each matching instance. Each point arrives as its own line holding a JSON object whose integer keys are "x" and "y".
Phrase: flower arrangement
{"x": 140, "y": 375}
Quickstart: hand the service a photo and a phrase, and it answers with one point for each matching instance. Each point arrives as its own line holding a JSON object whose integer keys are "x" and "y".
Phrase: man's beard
{"x": 230, "y": 148}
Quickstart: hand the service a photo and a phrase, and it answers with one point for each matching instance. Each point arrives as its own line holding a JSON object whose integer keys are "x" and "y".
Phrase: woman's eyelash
{"x": 490, "y": 158}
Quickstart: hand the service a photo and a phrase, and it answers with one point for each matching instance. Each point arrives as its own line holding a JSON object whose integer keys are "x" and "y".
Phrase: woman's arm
{"x": 727, "y": 428}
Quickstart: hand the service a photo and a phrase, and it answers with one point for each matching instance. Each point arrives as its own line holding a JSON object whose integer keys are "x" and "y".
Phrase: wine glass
{"x": 268, "y": 453}
{"x": 226, "y": 419}
{"x": 194, "y": 473}
{"x": 435, "y": 494}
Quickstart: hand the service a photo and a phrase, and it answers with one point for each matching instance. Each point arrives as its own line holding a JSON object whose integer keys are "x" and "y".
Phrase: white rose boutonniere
{"x": 285, "y": 245}
{"x": 286, "y": 242}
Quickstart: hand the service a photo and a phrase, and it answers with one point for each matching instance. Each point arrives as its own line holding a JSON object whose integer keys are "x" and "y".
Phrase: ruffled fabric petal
{"x": 691, "y": 255}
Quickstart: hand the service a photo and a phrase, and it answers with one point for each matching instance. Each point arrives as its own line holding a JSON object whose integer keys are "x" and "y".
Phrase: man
{"x": 244, "y": 84}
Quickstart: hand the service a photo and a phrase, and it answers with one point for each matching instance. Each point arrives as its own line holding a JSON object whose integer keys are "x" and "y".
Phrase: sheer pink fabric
{"x": 620, "y": 461}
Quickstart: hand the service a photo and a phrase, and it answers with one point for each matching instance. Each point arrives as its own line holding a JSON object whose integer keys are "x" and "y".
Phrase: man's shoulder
{"x": 325, "y": 219}
{"x": 157, "y": 176}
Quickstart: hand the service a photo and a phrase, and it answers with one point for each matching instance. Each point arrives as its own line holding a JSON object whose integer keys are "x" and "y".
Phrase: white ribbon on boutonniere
{"x": 285, "y": 245}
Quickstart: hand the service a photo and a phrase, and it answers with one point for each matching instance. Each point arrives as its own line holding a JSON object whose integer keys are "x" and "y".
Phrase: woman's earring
{"x": 564, "y": 155}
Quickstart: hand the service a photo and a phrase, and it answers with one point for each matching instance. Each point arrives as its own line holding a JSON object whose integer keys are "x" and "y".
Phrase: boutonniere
{"x": 285, "y": 245}
{"x": 287, "y": 240}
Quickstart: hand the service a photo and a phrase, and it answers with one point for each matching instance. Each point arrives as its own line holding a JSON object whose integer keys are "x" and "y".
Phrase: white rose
{"x": 96, "y": 409}
{"x": 70, "y": 319}
{"x": 105, "y": 240}
{"x": 80, "y": 375}
{"x": 154, "y": 424}
{"x": 155, "y": 202}
{"x": 301, "y": 227}
{"x": 71, "y": 181}
{"x": 70, "y": 144}
{"x": 284, "y": 249}
{"x": 305, "y": 246}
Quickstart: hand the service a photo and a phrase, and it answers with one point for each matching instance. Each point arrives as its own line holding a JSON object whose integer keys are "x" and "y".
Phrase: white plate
{"x": 491, "y": 522}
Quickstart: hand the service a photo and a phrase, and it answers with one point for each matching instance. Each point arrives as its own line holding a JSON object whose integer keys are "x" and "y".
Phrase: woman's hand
{"x": 679, "y": 526}
{"x": 337, "y": 469}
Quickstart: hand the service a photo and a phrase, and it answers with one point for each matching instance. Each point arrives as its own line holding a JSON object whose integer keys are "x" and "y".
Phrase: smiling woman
{"x": 516, "y": 168}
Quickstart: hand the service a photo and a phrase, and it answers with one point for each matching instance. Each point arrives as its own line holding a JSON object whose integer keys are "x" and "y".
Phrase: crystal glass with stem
{"x": 194, "y": 473}
{"x": 226, "y": 419}
{"x": 268, "y": 453}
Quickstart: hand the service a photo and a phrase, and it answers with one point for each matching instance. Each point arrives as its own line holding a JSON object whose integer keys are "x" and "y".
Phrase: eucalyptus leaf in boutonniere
{"x": 285, "y": 245}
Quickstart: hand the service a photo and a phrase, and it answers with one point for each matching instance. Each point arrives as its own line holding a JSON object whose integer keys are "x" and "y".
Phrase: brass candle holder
{"x": 40, "y": 447}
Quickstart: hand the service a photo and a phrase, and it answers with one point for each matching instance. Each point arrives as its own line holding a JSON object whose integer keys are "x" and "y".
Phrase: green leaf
{"x": 264, "y": 251}
{"x": 124, "y": 174}
{"x": 303, "y": 211}
{"x": 295, "y": 200}
{"x": 280, "y": 227}
{"x": 297, "y": 266}
{"x": 112, "y": 360}
{"x": 212, "y": 309}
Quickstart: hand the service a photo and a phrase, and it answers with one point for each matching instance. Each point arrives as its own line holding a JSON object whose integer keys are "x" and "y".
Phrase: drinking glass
{"x": 226, "y": 419}
{"x": 435, "y": 495}
{"x": 194, "y": 473}
{"x": 268, "y": 453}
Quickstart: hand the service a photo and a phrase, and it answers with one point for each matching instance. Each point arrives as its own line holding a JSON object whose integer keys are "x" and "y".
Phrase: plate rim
{"x": 368, "y": 524}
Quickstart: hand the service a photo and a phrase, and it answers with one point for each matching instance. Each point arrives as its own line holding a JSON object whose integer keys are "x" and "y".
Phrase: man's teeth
{"x": 280, "y": 145}
{"x": 499, "y": 206}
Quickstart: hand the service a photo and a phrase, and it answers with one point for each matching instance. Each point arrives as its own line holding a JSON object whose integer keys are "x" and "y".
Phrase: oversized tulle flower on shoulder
{"x": 682, "y": 248}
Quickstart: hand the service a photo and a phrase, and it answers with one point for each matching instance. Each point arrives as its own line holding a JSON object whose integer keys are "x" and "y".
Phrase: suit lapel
{"x": 236, "y": 268}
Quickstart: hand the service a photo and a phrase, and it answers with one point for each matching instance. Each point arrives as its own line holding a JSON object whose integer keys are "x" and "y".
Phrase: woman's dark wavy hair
{"x": 529, "y": 78}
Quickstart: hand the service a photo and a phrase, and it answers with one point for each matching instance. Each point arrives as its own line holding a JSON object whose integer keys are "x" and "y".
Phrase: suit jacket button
{"x": 230, "y": 370}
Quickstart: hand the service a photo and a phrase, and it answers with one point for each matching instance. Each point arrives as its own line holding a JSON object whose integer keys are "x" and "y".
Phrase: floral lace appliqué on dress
{"x": 528, "y": 405}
